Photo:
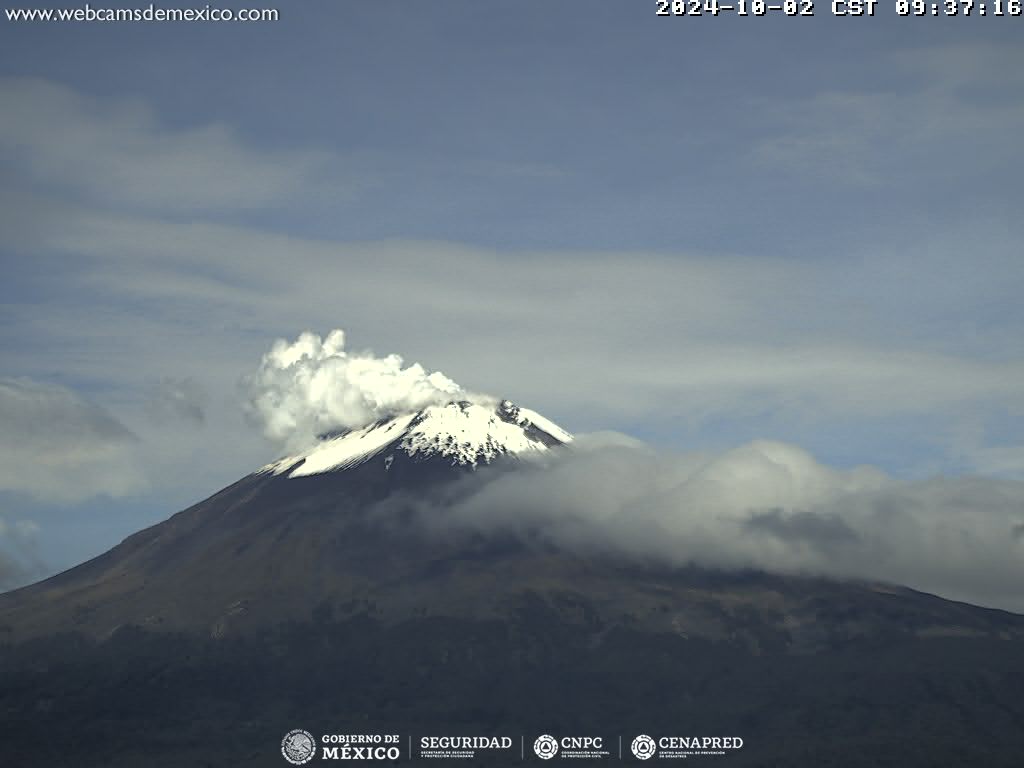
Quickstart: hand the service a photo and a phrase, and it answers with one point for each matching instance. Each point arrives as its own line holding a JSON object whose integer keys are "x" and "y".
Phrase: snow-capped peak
{"x": 458, "y": 433}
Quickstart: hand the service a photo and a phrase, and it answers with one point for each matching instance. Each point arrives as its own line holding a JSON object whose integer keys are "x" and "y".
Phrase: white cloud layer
{"x": 923, "y": 331}
{"x": 55, "y": 446}
{"x": 764, "y": 505}
{"x": 314, "y": 385}
{"x": 873, "y": 136}
{"x": 118, "y": 152}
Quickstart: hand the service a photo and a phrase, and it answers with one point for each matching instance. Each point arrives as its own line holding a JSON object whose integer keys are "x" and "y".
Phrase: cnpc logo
{"x": 547, "y": 746}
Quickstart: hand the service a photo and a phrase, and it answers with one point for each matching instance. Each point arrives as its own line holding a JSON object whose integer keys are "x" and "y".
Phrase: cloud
{"x": 866, "y": 135}
{"x": 647, "y": 341}
{"x": 56, "y": 446}
{"x": 315, "y": 385}
{"x": 683, "y": 346}
{"x": 816, "y": 529}
{"x": 178, "y": 398}
{"x": 764, "y": 505}
{"x": 119, "y": 153}
{"x": 19, "y": 560}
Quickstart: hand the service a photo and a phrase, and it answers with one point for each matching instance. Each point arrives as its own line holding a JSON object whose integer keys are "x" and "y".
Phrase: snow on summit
{"x": 460, "y": 433}
{"x": 352, "y": 406}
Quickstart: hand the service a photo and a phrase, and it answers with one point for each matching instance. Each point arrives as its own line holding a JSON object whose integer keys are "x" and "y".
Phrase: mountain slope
{"x": 334, "y": 531}
{"x": 311, "y": 594}
{"x": 294, "y": 534}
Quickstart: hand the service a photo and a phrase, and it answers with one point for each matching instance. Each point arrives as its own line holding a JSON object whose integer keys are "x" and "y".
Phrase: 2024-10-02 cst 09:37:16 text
{"x": 994, "y": 8}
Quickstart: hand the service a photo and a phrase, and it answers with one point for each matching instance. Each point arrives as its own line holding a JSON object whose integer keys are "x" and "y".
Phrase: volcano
{"x": 308, "y": 592}
{"x": 300, "y": 536}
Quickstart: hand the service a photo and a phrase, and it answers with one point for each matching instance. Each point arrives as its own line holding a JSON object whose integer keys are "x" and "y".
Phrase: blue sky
{"x": 697, "y": 231}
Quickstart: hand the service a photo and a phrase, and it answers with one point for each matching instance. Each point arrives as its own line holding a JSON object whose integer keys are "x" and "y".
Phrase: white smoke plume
{"x": 312, "y": 385}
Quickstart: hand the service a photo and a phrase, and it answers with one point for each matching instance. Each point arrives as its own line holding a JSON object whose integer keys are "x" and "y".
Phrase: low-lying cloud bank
{"x": 764, "y": 505}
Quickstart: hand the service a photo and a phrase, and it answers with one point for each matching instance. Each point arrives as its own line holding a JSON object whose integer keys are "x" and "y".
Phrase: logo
{"x": 298, "y": 747}
{"x": 546, "y": 747}
{"x": 690, "y": 746}
{"x": 360, "y": 746}
{"x": 644, "y": 747}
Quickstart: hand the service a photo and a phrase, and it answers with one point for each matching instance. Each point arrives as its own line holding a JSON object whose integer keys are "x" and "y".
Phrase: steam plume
{"x": 313, "y": 385}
